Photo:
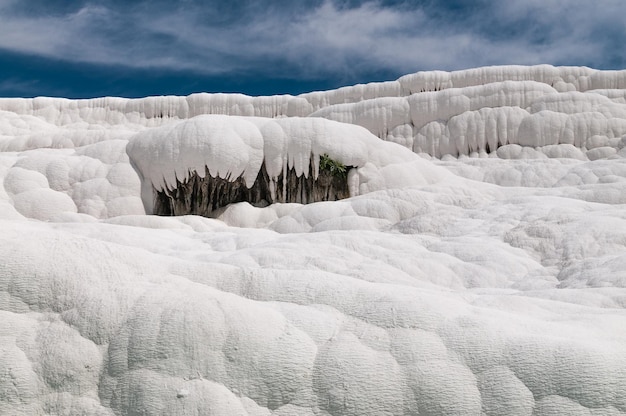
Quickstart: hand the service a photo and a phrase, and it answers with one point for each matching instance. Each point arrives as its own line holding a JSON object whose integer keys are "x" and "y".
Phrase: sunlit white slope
{"x": 438, "y": 300}
{"x": 460, "y": 286}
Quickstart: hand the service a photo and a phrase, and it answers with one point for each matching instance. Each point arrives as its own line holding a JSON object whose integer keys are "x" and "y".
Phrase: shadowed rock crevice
{"x": 203, "y": 195}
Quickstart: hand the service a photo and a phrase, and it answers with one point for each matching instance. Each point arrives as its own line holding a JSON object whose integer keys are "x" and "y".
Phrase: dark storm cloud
{"x": 308, "y": 40}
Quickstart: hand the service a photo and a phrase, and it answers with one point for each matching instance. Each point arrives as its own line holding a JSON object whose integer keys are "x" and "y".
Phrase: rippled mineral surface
{"x": 471, "y": 259}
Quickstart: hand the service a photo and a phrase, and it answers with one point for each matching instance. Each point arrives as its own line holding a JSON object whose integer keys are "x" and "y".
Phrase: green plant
{"x": 335, "y": 168}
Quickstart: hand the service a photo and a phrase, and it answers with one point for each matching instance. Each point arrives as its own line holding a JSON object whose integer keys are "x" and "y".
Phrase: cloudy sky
{"x": 83, "y": 48}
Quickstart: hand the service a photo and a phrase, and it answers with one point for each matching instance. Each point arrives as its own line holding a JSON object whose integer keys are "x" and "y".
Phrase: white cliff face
{"x": 483, "y": 118}
{"x": 435, "y": 113}
{"x": 456, "y": 285}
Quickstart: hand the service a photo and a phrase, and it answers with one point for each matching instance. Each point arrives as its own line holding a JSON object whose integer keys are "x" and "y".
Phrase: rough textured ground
{"x": 490, "y": 280}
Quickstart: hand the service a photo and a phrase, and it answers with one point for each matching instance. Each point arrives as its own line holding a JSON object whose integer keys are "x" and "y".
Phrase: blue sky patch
{"x": 82, "y": 49}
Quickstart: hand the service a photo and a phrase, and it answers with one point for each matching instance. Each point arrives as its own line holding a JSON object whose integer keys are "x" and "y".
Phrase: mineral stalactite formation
{"x": 200, "y": 165}
{"x": 199, "y": 195}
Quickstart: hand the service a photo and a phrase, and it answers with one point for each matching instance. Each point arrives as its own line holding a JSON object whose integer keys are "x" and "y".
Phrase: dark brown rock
{"x": 202, "y": 196}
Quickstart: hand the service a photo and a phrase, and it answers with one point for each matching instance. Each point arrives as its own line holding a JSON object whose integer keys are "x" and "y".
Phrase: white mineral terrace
{"x": 478, "y": 268}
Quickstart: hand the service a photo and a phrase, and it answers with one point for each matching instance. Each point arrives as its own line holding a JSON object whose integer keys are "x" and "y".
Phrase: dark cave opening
{"x": 203, "y": 195}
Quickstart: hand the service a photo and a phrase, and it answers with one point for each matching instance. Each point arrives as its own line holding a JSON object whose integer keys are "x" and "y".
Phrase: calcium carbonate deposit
{"x": 478, "y": 266}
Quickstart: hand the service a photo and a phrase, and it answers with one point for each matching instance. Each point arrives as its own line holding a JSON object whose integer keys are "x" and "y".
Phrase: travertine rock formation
{"x": 202, "y": 195}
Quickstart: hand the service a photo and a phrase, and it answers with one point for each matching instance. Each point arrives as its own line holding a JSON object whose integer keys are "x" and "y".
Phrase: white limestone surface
{"x": 433, "y": 112}
{"x": 484, "y": 283}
